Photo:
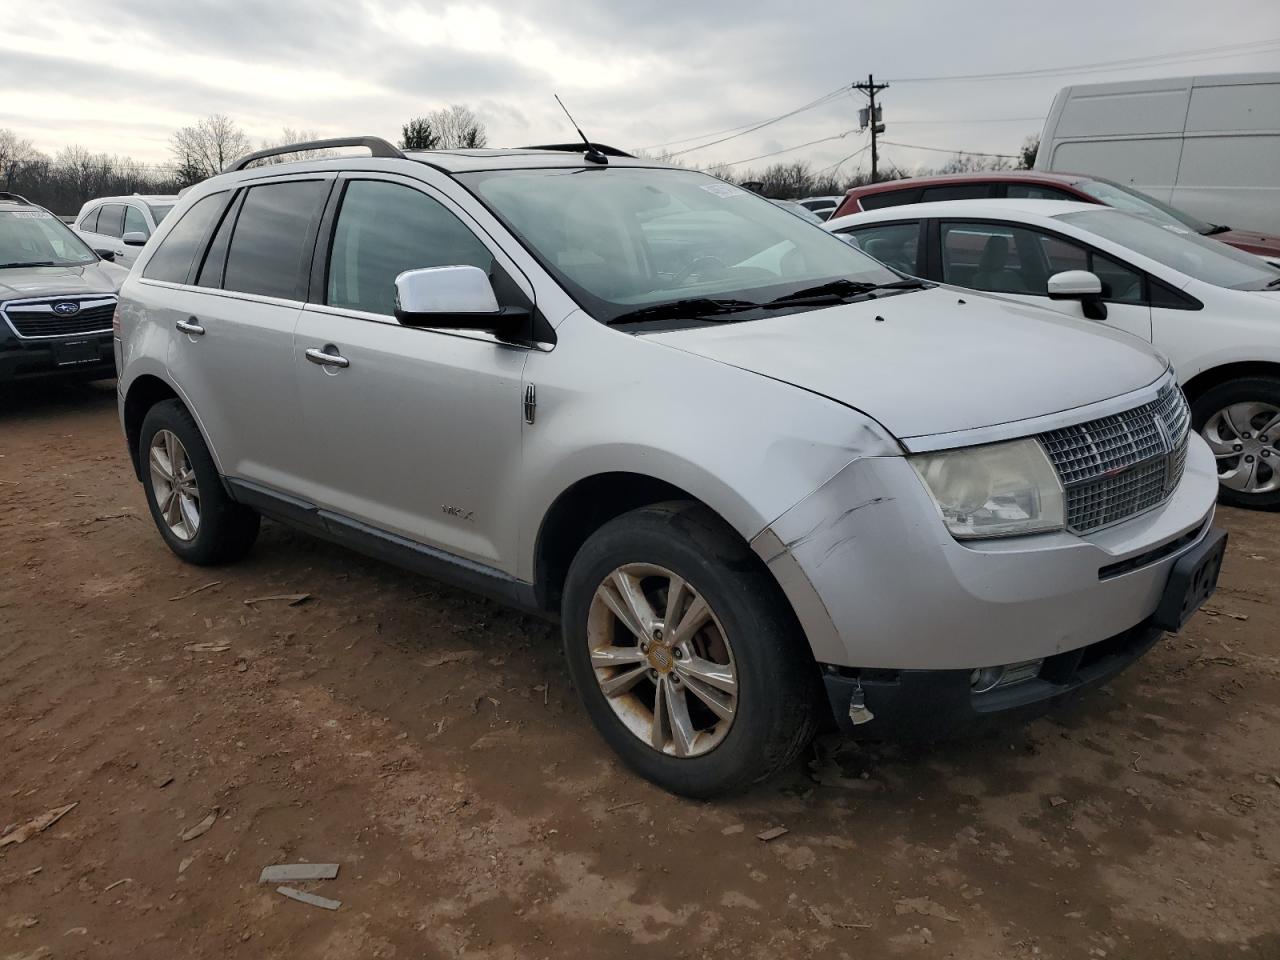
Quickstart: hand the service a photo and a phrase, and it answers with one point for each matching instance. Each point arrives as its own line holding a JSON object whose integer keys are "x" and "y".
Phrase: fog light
{"x": 985, "y": 679}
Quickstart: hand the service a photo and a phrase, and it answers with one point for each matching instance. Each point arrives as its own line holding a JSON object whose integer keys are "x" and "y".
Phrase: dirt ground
{"x": 428, "y": 741}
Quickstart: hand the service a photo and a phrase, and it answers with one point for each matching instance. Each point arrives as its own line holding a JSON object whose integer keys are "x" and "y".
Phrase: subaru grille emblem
{"x": 66, "y": 309}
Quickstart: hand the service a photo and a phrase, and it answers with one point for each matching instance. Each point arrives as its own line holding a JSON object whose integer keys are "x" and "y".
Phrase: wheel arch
{"x": 1206, "y": 380}
{"x": 144, "y": 393}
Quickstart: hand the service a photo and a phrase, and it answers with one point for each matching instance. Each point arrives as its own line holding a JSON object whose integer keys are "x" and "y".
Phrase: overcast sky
{"x": 120, "y": 77}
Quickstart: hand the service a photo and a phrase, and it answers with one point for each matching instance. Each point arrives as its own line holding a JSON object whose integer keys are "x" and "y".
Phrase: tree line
{"x": 64, "y": 181}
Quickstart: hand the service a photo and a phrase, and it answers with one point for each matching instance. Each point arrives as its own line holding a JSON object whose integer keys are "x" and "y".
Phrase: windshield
{"x": 159, "y": 211}
{"x": 1182, "y": 249}
{"x": 34, "y": 238}
{"x": 1133, "y": 201}
{"x": 624, "y": 238}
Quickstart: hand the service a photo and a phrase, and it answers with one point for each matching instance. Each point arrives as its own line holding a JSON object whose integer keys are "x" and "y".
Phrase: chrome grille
{"x": 38, "y": 319}
{"x": 1115, "y": 467}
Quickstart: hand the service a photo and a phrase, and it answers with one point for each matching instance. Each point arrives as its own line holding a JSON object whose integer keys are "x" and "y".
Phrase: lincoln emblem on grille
{"x": 66, "y": 308}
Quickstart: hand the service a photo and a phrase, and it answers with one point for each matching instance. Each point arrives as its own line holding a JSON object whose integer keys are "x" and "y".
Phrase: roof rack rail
{"x": 14, "y": 197}
{"x": 604, "y": 148}
{"x": 376, "y": 145}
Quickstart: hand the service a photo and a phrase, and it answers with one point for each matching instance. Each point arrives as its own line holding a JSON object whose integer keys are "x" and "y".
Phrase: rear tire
{"x": 747, "y": 661}
{"x": 188, "y": 502}
{"x": 1240, "y": 420}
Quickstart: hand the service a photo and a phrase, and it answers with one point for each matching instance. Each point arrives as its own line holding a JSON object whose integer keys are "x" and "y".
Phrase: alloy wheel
{"x": 1245, "y": 439}
{"x": 173, "y": 484}
{"x": 662, "y": 660}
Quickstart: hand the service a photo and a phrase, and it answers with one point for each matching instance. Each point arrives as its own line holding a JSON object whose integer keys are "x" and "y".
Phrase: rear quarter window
{"x": 177, "y": 251}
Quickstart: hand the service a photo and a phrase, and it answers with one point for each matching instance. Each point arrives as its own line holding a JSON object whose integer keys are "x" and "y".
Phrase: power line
{"x": 762, "y": 125}
{"x": 798, "y": 146}
{"x": 966, "y": 153}
{"x": 974, "y": 120}
{"x": 839, "y": 163}
{"x": 1237, "y": 49}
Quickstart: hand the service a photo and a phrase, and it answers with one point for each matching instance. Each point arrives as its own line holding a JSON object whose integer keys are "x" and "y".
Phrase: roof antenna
{"x": 593, "y": 154}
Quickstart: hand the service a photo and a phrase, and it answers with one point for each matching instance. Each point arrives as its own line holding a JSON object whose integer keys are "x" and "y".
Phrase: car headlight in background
{"x": 999, "y": 490}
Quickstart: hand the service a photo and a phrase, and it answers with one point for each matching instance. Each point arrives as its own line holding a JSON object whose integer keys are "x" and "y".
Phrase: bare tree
{"x": 13, "y": 152}
{"x": 288, "y": 135}
{"x": 203, "y": 150}
{"x": 452, "y": 128}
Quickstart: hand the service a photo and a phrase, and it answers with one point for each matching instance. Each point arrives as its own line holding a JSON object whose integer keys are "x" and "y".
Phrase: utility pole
{"x": 871, "y": 88}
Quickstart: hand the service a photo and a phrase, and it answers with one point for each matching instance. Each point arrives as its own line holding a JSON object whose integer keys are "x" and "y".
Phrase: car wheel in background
{"x": 685, "y": 653}
{"x": 188, "y": 502}
{"x": 1240, "y": 420}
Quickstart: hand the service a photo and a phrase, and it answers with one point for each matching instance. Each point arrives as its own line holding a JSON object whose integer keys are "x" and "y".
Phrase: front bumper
{"x": 38, "y": 359}
{"x": 940, "y": 704}
{"x": 877, "y": 581}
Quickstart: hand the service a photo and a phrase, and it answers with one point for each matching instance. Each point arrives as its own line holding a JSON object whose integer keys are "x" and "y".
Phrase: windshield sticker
{"x": 723, "y": 190}
{"x": 1175, "y": 228}
{"x": 31, "y": 215}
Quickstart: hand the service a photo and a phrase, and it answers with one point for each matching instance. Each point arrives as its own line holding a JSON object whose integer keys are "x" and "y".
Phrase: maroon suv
{"x": 1038, "y": 185}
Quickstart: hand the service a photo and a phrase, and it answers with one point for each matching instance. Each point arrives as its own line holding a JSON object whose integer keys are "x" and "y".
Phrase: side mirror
{"x": 458, "y": 297}
{"x": 1079, "y": 285}
{"x": 107, "y": 255}
{"x": 134, "y": 238}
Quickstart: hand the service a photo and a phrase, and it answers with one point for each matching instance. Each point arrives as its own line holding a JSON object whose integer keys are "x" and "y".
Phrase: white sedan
{"x": 1212, "y": 309}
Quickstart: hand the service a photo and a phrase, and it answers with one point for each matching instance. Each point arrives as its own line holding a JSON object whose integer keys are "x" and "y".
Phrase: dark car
{"x": 57, "y": 298}
{"x": 1038, "y": 185}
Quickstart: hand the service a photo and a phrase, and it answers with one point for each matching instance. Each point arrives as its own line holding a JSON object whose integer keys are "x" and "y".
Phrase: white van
{"x": 1208, "y": 145}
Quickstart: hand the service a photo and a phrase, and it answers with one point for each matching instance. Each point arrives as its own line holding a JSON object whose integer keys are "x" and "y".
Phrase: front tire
{"x": 188, "y": 502}
{"x": 1240, "y": 420}
{"x": 685, "y": 653}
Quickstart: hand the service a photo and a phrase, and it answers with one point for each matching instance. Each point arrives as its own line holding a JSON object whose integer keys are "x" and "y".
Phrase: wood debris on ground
{"x": 293, "y": 599}
{"x": 773, "y": 833}
{"x": 322, "y": 902}
{"x": 294, "y": 872}
{"x": 192, "y": 593}
{"x": 201, "y": 828}
{"x": 37, "y": 825}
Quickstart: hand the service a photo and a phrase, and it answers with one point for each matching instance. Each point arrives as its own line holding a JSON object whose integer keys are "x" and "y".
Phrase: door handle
{"x": 190, "y": 326}
{"x": 326, "y": 359}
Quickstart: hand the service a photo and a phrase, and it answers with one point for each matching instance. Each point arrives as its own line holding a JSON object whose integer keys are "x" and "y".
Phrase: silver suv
{"x": 764, "y": 482}
{"x": 57, "y": 298}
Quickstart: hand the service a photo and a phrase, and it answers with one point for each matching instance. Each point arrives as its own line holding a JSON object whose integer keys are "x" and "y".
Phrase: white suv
{"x": 764, "y": 482}
{"x": 121, "y": 226}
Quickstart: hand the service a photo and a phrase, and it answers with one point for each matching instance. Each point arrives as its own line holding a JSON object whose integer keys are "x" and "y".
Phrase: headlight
{"x": 998, "y": 490}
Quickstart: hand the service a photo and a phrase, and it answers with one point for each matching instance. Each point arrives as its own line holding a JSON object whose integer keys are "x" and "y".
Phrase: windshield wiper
{"x": 31, "y": 263}
{"x": 1214, "y": 230}
{"x": 688, "y": 308}
{"x": 1273, "y": 283}
{"x": 836, "y": 291}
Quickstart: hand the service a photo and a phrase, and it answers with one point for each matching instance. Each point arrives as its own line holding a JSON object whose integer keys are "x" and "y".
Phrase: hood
{"x": 935, "y": 361}
{"x": 1262, "y": 244}
{"x": 22, "y": 283}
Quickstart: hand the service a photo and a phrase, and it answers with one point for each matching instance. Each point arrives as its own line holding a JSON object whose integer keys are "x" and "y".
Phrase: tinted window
{"x": 1031, "y": 191}
{"x": 215, "y": 259}
{"x": 957, "y": 191}
{"x": 111, "y": 220}
{"x": 384, "y": 229}
{"x": 890, "y": 198}
{"x": 90, "y": 222}
{"x": 159, "y": 211}
{"x": 135, "y": 222}
{"x": 989, "y": 256}
{"x": 172, "y": 259}
{"x": 893, "y": 244}
{"x": 268, "y": 252}
{"x": 1119, "y": 283}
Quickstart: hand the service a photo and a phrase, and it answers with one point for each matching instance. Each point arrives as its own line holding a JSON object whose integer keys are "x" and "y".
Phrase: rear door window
{"x": 177, "y": 251}
{"x": 271, "y": 247}
{"x": 135, "y": 222}
{"x": 889, "y": 198}
{"x": 111, "y": 220}
{"x": 957, "y": 191}
{"x": 896, "y": 245}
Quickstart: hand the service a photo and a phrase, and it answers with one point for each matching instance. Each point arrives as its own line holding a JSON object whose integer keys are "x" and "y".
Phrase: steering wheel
{"x": 691, "y": 268}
